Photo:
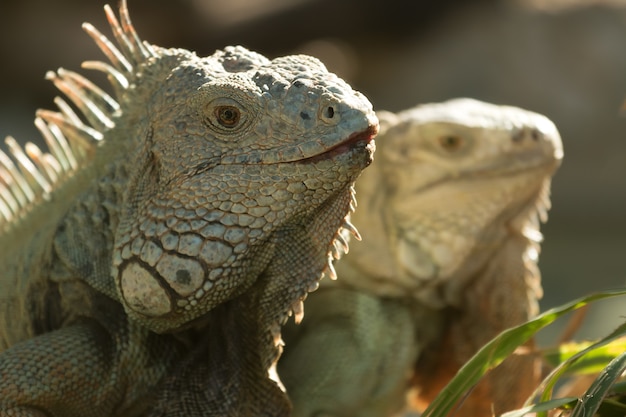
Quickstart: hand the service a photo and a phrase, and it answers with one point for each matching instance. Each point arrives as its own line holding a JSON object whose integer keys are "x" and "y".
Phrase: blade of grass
{"x": 494, "y": 352}
{"x": 540, "y": 407}
{"x": 593, "y": 397}
{"x": 550, "y": 381}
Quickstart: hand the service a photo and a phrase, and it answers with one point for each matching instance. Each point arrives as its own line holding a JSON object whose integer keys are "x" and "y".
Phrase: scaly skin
{"x": 449, "y": 214}
{"x": 150, "y": 260}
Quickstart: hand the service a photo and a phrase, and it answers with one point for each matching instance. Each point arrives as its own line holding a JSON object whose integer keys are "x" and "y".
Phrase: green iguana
{"x": 150, "y": 258}
{"x": 449, "y": 215}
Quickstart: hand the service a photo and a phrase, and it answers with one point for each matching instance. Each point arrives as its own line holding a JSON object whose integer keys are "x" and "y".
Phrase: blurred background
{"x": 563, "y": 58}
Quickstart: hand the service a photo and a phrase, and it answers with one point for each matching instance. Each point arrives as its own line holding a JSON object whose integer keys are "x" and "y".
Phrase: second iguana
{"x": 449, "y": 214}
{"x": 150, "y": 258}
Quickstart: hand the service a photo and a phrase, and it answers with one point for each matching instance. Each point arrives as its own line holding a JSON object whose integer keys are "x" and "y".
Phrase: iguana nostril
{"x": 536, "y": 134}
{"x": 329, "y": 114}
{"x": 519, "y": 135}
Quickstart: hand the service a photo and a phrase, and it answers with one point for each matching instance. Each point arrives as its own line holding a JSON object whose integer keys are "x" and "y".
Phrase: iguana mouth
{"x": 364, "y": 139}
{"x": 314, "y": 151}
{"x": 494, "y": 171}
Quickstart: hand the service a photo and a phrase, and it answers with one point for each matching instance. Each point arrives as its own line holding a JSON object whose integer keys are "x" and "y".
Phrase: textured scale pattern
{"x": 151, "y": 256}
{"x": 449, "y": 213}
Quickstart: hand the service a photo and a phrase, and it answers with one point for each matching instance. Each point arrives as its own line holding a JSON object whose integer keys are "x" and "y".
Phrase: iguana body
{"x": 449, "y": 214}
{"x": 149, "y": 261}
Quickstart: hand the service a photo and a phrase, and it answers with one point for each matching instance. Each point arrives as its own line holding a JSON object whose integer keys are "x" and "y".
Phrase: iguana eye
{"x": 227, "y": 116}
{"x": 228, "y": 111}
{"x": 450, "y": 143}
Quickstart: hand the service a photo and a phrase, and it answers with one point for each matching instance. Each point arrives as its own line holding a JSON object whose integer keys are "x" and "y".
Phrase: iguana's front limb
{"x": 350, "y": 356}
{"x": 78, "y": 370}
{"x": 67, "y": 372}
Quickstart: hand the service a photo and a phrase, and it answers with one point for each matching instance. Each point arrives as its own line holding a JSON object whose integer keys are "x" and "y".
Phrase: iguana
{"x": 150, "y": 258}
{"x": 449, "y": 214}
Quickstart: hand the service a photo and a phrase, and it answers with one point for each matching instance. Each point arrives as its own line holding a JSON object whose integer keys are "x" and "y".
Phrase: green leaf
{"x": 593, "y": 397}
{"x": 545, "y": 406}
{"x": 494, "y": 352}
{"x": 550, "y": 381}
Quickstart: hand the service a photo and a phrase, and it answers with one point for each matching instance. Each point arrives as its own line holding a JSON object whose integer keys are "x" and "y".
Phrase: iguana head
{"x": 228, "y": 149}
{"x": 450, "y": 182}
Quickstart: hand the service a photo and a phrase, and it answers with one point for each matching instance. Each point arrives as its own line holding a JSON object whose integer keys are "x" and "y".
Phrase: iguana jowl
{"x": 150, "y": 259}
{"x": 449, "y": 214}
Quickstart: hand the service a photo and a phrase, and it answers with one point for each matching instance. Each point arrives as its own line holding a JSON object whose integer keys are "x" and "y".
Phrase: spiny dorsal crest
{"x": 29, "y": 176}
